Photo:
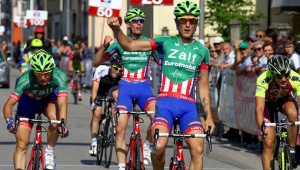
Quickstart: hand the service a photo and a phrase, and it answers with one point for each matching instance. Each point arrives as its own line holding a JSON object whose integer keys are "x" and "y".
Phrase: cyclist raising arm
{"x": 105, "y": 82}
{"x": 43, "y": 85}
{"x": 274, "y": 92}
{"x": 135, "y": 83}
{"x": 183, "y": 59}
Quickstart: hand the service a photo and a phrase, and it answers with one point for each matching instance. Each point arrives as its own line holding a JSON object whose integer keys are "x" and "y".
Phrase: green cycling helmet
{"x": 42, "y": 61}
{"x": 36, "y": 43}
{"x": 134, "y": 12}
{"x": 186, "y": 8}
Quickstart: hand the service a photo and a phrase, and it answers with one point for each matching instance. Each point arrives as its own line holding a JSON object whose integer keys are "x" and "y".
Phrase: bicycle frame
{"x": 136, "y": 148}
{"x": 37, "y": 145}
{"x": 105, "y": 139}
{"x": 281, "y": 151}
{"x": 177, "y": 160}
{"x": 37, "y": 150}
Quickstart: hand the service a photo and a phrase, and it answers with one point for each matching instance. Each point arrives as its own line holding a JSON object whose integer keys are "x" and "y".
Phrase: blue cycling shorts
{"x": 130, "y": 90}
{"x": 169, "y": 108}
{"x": 27, "y": 106}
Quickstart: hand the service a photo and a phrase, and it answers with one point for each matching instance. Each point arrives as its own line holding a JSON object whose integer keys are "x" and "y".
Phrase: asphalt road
{"x": 72, "y": 152}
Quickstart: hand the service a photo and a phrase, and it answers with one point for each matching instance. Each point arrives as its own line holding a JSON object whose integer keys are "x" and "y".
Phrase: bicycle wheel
{"x": 99, "y": 148}
{"x": 36, "y": 158}
{"x": 109, "y": 142}
{"x": 138, "y": 165}
{"x": 75, "y": 91}
{"x": 287, "y": 159}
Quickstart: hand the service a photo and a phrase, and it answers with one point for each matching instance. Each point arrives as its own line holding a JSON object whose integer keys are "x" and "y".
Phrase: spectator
{"x": 229, "y": 56}
{"x": 290, "y": 44}
{"x": 260, "y": 35}
{"x": 272, "y": 36}
{"x": 251, "y": 40}
{"x": 86, "y": 52}
{"x": 262, "y": 59}
{"x": 244, "y": 49}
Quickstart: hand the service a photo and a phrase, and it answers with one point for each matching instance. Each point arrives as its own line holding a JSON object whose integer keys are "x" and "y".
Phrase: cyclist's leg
{"x": 290, "y": 109}
{"x": 51, "y": 112}
{"x": 163, "y": 121}
{"x": 190, "y": 124}
{"x": 95, "y": 127}
{"x": 26, "y": 108}
{"x": 124, "y": 102}
{"x": 269, "y": 140}
{"x": 22, "y": 142}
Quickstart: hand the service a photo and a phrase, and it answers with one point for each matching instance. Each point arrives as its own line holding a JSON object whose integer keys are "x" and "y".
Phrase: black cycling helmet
{"x": 116, "y": 61}
{"x": 279, "y": 65}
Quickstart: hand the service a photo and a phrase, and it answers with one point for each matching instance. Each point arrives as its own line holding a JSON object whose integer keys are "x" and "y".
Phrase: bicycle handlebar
{"x": 282, "y": 124}
{"x": 134, "y": 112}
{"x": 180, "y": 135}
{"x": 41, "y": 120}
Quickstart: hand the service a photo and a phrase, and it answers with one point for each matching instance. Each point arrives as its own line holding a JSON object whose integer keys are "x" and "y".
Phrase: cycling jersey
{"x": 180, "y": 64}
{"x": 136, "y": 65}
{"x": 268, "y": 89}
{"x": 135, "y": 81}
{"x": 106, "y": 81}
{"x": 29, "y": 85}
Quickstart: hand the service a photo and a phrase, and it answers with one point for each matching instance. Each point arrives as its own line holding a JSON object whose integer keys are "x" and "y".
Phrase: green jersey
{"x": 29, "y": 85}
{"x": 181, "y": 64}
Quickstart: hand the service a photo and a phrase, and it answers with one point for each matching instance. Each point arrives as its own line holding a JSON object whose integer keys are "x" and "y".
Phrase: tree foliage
{"x": 219, "y": 13}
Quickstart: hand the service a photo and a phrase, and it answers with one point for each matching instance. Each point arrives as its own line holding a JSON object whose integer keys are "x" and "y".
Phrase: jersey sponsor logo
{"x": 167, "y": 63}
{"x": 190, "y": 57}
{"x": 140, "y": 58}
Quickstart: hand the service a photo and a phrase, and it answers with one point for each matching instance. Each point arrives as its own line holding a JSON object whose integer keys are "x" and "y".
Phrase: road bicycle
{"x": 135, "y": 150}
{"x": 177, "y": 160}
{"x": 37, "y": 160}
{"x": 106, "y": 135}
{"x": 281, "y": 150}
{"x": 75, "y": 81}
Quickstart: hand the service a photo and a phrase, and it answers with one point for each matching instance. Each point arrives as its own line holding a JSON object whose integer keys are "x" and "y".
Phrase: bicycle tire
{"x": 180, "y": 165}
{"x": 137, "y": 156}
{"x": 75, "y": 92}
{"x": 36, "y": 157}
{"x": 287, "y": 158}
{"x": 109, "y": 143}
{"x": 99, "y": 148}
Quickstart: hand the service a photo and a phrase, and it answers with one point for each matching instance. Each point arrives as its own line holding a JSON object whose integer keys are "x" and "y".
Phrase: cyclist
{"x": 43, "y": 85}
{"x": 76, "y": 64}
{"x": 183, "y": 59}
{"x": 36, "y": 44}
{"x": 39, "y": 33}
{"x": 105, "y": 82}
{"x": 274, "y": 92}
{"x": 135, "y": 83}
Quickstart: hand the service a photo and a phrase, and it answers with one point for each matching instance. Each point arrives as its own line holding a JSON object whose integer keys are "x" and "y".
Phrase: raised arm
{"x": 126, "y": 43}
{"x": 98, "y": 59}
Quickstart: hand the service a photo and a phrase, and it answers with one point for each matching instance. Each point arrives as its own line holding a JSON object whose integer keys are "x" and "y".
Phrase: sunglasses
{"x": 283, "y": 76}
{"x": 212, "y": 51}
{"x": 137, "y": 20}
{"x": 40, "y": 74}
{"x": 192, "y": 21}
{"x": 259, "y": 36}
{"x": 117, "y": 68}
{"x": 257, "y": 49}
